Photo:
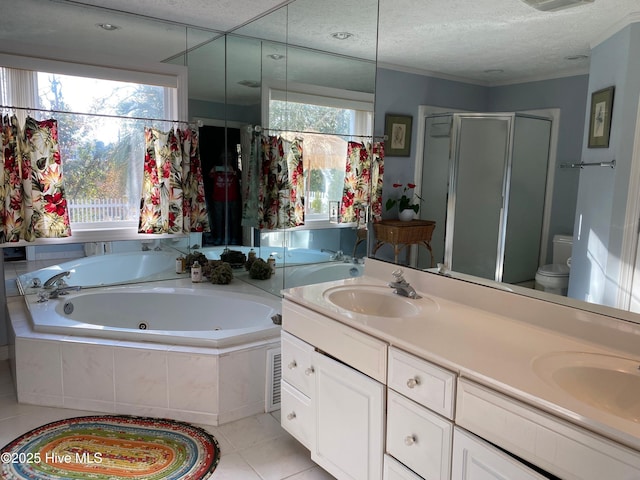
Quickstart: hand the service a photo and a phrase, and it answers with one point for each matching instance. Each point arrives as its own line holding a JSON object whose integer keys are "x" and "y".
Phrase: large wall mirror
{"x": 285, "y": 57}
{"x": 456, "y": 104}
{"x": 308, "y": 50}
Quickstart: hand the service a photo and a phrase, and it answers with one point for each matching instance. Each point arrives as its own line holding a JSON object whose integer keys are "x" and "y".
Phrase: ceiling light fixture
{"x": 249, "y": 83}
{"x": 575, "y": 58}
{"x": 554, "y": 5}
{"x": 276, "y": 56}
{"x": 342, "y": 35}
{"x": 109, "y": 27}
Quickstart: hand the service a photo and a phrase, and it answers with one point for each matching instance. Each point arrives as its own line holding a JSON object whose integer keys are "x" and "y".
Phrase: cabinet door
{"x": 475, "y": 459}
{"x": 349, "y": 415}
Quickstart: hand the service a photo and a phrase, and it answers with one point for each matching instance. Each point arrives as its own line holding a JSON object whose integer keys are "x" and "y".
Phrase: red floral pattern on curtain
{"x": 281, "y": 184}
{"x": 363, "y": 178}
{"x": 34, "y": 203}
{"x": 194, "y": 207}
{"x": 172, "y": 187}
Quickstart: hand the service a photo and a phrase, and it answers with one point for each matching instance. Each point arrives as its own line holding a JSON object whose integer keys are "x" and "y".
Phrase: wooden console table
{"x": 400, "y": 234}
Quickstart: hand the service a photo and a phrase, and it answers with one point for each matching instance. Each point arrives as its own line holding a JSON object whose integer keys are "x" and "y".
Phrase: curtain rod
{"x": 102, "y": 115}
{"x": 258, "y": 129}
{"x": 611, "y": 164}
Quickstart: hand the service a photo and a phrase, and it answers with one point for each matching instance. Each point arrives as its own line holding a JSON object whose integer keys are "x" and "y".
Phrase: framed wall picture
{"x": 397, "y": 128}
{"x": 600, "y": 118}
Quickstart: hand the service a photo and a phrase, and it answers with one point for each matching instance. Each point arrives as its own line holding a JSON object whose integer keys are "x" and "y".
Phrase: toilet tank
{"x": 562, "y": 248}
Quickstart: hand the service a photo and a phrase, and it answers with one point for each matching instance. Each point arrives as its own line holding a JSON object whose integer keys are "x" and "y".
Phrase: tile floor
{"x": 254, "y": 448}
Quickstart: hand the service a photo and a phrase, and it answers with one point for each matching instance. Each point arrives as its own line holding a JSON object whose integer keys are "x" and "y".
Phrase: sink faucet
{"x": 54, "y": 280}
{"x": 401, "y": 286}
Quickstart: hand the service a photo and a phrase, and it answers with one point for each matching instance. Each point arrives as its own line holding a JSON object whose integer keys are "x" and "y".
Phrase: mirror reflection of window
{"x": 326, "y": 125}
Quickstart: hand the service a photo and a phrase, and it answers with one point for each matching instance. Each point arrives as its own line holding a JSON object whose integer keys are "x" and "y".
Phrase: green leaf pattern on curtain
{"x": 33, "y": 197}
{"x": 169, "y": 195}
{"x": 363, "y": 178}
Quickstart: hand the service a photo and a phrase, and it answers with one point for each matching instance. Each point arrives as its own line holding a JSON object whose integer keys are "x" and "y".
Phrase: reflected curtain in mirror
{"x": 363, "y": 178}
{"x": 172, "y": 189}
{"x": 32, "y": 191}
{"x": 278, "y": 185}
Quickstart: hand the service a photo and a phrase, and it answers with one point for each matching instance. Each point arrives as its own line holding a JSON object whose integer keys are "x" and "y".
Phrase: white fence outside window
{"x": 88, "y": 210}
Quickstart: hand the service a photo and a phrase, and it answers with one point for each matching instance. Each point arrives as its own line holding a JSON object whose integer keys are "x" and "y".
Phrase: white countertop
{"x": 486, "y": 347}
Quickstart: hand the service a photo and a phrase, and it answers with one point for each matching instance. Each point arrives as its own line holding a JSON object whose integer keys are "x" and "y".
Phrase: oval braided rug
{"x": 111, "y": 447}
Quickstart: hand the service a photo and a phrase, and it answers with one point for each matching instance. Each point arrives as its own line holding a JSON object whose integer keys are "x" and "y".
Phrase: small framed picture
{"x": 397, "y": 129}
{"x": 600, "y": 118}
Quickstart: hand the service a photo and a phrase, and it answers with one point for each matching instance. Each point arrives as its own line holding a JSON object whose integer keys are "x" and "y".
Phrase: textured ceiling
{"x": 457, "y": 39}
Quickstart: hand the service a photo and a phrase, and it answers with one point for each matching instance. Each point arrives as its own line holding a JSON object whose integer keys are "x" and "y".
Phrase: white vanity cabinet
{"x": 420, "y": 411}
{"x": 328, "y": 403}
{"x": 554, "y": 445}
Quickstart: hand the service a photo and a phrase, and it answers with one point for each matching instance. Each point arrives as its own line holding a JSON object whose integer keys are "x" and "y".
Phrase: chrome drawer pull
{"x": 410, "y": 440}
{"x": 291, "y": 416}
{"x": 413, "y": 382}
{"x": 292, "y": 365}
{"x": 309, "y": 371}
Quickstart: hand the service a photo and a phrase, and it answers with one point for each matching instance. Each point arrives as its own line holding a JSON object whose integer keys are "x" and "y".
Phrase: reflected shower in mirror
{"x": 484, "y": 178}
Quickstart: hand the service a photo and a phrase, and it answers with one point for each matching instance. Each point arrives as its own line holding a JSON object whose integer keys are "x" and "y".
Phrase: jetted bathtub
{"x": 167, "y": 315}
{"x": 105, "y": 270}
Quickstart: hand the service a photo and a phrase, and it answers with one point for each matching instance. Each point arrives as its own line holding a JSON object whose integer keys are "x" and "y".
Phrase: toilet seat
{"x": 553, "y": 278}
{"x": 554, "y": 270}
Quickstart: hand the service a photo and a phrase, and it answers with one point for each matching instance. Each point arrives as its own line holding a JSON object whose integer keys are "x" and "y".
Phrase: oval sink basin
{"x": 605, "y": 382}
{"x": 375, "y": 300}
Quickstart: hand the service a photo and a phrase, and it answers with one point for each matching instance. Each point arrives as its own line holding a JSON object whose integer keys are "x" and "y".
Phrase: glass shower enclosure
{"x": 484, "y": 178}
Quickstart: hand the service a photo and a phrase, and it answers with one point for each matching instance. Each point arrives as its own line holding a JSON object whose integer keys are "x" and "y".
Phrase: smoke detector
{"x": 553, "y": 5}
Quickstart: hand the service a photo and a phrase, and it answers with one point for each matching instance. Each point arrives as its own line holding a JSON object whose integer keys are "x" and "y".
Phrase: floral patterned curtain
{"x": 364, "y": 173}
{"x": 278, "y": 186}
{"x": 172, "y": 186}
{"x": 33, "y": 198}
{"x": 194, "y": 208}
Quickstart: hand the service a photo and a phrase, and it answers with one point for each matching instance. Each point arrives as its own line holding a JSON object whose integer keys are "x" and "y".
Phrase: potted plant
{"x": 406, "y": 208}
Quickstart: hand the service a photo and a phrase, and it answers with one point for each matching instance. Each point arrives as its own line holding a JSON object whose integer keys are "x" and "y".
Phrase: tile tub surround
{"x": 493, "y": 337}
{"x": 195, "y": 384}
{"x": 253, "y": 448}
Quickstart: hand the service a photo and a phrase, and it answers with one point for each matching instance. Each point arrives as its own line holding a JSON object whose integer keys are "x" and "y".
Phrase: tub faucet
{"x": 56, "y": 279}
{"x": 63, "y": 290}
{"x": 335, "y": 255}
{"x": 401, "y": 286}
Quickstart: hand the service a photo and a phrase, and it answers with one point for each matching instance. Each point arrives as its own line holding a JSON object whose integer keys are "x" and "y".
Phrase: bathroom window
{"x": 101, "y": 139}
{"x": 326, "y": 123}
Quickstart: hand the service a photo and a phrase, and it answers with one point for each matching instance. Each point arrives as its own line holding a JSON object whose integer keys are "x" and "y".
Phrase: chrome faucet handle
{"x": 398, "y": 275}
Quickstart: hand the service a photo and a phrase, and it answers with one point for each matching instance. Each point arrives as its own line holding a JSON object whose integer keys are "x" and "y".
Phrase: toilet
{"x": 554, "y": 277}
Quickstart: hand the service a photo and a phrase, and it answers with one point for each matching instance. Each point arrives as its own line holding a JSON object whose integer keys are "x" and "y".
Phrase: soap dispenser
{"x": 196, "y": 272}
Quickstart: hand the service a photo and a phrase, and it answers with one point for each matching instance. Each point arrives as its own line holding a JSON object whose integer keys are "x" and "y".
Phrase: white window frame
{"x": 317, "y": 95}
{"x": 108, "y": 68}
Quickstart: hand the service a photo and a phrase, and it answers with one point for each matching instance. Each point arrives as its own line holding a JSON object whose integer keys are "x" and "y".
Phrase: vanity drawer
{"x": 418, "y": 438}
{"x": 394, "y": 470}
{"x": 296, "y": 363}
{"x": 296, "y": 414}
{"x": 357, "y": 349}
{"x": 427, "y": 384}
{"x": 563, "y": 449}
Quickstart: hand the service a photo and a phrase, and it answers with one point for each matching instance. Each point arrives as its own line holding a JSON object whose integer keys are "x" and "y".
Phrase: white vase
{"x": 406, "y": 215}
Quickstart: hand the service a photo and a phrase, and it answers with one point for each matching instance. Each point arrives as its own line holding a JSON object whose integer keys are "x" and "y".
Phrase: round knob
{"x": 291, "y": 416}
{"x": 309, "y": 371}
{"x": 410, "y": 440}
{"x": 292, "y": 365}
{"x": 413, "y": 382}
